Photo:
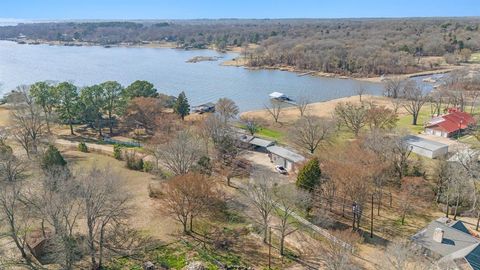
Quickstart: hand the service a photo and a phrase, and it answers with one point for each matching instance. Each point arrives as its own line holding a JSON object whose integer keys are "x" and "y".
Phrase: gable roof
{"x": 451, "y": 122}
{"x": 261, "y": 142}
{"x": 285, "y": 153}
{"x": 423, "y": 143}
{"x": 457, "y": 242}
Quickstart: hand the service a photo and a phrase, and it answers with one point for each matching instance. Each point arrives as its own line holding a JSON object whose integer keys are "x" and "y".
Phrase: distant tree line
{"x": 353, "y": 46}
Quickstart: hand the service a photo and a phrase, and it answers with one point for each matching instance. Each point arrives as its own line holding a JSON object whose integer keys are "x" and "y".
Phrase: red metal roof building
{"x": 449, "y": 124}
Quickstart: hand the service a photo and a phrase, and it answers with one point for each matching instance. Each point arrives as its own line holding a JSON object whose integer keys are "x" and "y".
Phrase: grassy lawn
{"x": 475, "y": 57}
{"x": 267, "y": 133}
{"x": 470, "y": 140}
{"x": 405, "y": 121}
{"x": 271, "y": 134}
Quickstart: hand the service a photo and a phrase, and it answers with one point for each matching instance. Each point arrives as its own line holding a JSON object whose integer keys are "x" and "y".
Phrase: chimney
{"x": 438, "y": 235}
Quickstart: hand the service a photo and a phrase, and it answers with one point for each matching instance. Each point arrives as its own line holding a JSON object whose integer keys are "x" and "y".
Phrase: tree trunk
{"x": 265, "y": 232}
{"x": 110, "y": 122}
{"x": 70, "y": 122}
{"x": 380, "y": 195}
{"x": 191, "y": 222}
{"x": 91, "y": 244}
{"x": 47, "y": 120}
{"x": 100, "y": 247}
{"x": 184, "y": 223}
{"x": 282, "y": 241}
{"x": 456, "y": 207}
{"x": 478, "y": 220}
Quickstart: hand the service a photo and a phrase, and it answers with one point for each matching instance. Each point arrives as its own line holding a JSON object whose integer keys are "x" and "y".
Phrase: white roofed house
{"x": 424, "y": 147}
{"x": 285, "y": 158}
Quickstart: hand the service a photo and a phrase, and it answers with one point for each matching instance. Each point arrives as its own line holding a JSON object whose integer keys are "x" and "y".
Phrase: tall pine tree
{"x": 310, "y": 175}
{"x": 181, "y": 106}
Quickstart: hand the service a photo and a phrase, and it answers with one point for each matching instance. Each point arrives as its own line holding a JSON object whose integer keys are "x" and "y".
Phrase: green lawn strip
{"x": 267, "y": 133}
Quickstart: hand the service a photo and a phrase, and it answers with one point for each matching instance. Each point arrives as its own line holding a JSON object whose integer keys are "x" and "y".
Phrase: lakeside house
{"x": 445, "y": 240}
{"x": 426, "y": 148}
{"x": 278, "y": 155}
{"x": 285, "y": 158}
{"x": 454, "y": 122}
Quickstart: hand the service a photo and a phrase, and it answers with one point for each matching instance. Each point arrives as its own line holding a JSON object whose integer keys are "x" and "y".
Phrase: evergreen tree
{"x": 45, "y": 96}
{"x": 67, "y": 105}
{"x": 181, "y": 106}
{"x": 140, "y": 89}
{"x": 309, "y": 176}
{"x": 52, "y": 159}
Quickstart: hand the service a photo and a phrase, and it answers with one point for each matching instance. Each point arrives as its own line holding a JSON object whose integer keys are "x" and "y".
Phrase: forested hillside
{"x": 344, "y": 46}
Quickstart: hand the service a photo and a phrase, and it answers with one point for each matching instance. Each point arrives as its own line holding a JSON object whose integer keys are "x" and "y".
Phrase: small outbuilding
{"x": 426, "y": 148}
{"x": 261, "y": 145}
{"x": 284, "y": 157}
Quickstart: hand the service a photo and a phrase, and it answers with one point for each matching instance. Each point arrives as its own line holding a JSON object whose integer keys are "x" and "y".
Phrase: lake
{"x": 167, "y": 69}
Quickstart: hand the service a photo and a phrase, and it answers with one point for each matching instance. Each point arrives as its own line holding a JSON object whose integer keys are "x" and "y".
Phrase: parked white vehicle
{"x": 281, "y": 169}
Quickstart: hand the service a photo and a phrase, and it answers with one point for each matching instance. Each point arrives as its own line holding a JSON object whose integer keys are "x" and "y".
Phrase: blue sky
{"x": 190, "y": 9}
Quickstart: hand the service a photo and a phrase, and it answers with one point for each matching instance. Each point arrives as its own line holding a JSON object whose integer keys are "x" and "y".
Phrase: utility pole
{"x": 269, "y": 248}
{"x": 371, "y": 221}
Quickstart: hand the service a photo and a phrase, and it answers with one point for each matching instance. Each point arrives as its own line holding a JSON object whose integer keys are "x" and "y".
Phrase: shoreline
{"x": 240, "y": 61}
{"x": 375, "y": 79}
{"x": 322, "y": 109}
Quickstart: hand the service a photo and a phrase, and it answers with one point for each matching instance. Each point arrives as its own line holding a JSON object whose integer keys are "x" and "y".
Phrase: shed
{"x": 426, "y": 148}
{"x": 284, "y": 157}
{"x": 261, "y": 144}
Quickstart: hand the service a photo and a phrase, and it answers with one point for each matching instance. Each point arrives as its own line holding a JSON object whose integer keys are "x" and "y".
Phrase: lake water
{"x": 167, "y": 69}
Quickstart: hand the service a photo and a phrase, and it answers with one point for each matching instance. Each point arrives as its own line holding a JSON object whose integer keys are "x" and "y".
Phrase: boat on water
{"x": 281, "y": 97}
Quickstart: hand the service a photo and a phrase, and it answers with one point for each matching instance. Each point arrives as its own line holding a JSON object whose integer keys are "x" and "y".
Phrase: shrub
{"x": 148, "y": 166}
{"x": 133, "y": 162}
{"x": 117, "y": 151}
{"x": 154, "y": 191}
{"x": 52, "y": 158}
{"x": 204, "y": 166}
{"x": 82, "y": 147}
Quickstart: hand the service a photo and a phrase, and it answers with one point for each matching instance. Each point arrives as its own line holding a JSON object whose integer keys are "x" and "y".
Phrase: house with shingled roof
{"x": 446, "y": 240}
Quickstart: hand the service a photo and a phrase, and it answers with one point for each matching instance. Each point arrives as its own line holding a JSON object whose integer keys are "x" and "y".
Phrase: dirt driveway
{"x": 262, "y": 165}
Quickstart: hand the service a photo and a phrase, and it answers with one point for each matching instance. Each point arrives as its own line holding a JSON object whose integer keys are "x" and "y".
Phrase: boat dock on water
{"x": 281, "y": 97}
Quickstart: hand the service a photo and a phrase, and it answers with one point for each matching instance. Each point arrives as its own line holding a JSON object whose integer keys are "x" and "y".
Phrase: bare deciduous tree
{"x": 105, "y": 204}
{"x": 340, "y": 257}
{"x": 302, "y": 105}
{"x": 189, "y": 196}
{"x": 274, "y": 109}
{"x": 309, "y": 131}
{"x": 288, "y": 200}
{"x": 180, "y": 153}
{"x": 16, "y": 218}
{"x": 259, "y": 192}
{"x": 28, "y": 124}
{"x": 415, "y": 99}
{"x": 393, "y": 87}
{"x": 354, "y": 117}
{"x": 226, "y": 108}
